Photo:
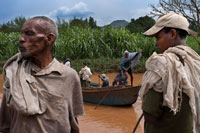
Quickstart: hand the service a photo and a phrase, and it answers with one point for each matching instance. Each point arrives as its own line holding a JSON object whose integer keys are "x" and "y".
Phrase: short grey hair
{"x": 47, "y": 25}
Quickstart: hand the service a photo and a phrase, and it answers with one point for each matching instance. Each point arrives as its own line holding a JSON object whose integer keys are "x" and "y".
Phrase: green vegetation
{"x": 140, "y": 25}
{"x": 8, "y": 44}
{"x": 83, "y": 43}
{"x": 102, "y": 48}
{"x": 13, "y": 25}
{"x": 106, "y": 65}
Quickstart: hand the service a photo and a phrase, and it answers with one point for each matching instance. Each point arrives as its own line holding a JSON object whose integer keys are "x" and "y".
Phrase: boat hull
{"x": 113, "y": 96}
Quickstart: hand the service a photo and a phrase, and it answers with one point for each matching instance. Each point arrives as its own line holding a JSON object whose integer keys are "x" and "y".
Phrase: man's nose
{"x": 156, "y": 43}
{"x": 21, "y": 39}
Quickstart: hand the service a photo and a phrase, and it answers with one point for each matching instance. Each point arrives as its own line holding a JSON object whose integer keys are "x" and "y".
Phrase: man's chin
{"x": 23, "y": 54}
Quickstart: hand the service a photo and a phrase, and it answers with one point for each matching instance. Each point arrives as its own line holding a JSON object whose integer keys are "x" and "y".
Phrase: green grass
{"x": 101, "y": 49}
{"x": 106, "y": 65}
{"x": 1, "y": 65}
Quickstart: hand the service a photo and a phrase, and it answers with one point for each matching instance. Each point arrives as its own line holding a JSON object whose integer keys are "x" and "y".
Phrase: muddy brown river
{"x": 107, "y": 119}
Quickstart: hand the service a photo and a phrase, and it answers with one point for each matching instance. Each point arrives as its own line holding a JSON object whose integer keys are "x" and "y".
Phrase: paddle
{"x": 102, "y": 99}
{"x": 137, "y": 123}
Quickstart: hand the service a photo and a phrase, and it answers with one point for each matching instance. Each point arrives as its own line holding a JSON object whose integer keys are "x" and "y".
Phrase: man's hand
{"x": 126, "y": 69}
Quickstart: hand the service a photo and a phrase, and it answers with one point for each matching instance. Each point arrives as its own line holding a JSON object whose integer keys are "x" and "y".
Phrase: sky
{"x": 103, "y": 11}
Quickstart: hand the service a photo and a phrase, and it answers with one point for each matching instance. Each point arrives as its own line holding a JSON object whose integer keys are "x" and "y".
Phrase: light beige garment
{"x": 21, "y": 94}
{"x": 60, "y": 90}
{"x": 85, "y": 73}
{"x": 166, "y": 70}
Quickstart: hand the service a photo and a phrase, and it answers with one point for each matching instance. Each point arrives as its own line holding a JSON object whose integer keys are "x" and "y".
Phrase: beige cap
{"x": 171, "y": 20}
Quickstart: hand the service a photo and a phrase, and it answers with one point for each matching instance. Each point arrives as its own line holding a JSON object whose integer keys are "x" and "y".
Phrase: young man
{"x": 170, "y": 86}
{"x": 85, "y": 75}
{"x": 41, "y": 95}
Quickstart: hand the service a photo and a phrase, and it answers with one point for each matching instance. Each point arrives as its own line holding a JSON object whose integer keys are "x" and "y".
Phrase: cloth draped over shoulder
{"x": 133, "y": 57}
{"x": 176, "y": 77}
{"x": 25, "y": 98}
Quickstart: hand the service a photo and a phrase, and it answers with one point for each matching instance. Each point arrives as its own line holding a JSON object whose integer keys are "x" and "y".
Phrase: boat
{"x": 112, "y": 96}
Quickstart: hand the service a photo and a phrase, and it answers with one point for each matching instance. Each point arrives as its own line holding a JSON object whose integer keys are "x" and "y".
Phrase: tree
{"x": 92, "y": 23}
{"x": 13, "y": 25}
{"x": 141, "y": 24}
{"x": 62, "y": 24}
{"x": 188, "y": 8}
{"x": 78, "y": 23}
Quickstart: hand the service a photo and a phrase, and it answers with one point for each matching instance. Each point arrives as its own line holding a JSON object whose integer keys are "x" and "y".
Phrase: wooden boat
{"x": 114, "y": 96}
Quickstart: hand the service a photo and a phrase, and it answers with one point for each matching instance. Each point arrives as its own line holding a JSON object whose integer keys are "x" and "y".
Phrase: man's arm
{"x": 75, "y": 130}
{"x": 76, "y": 104}
{"x": 152, "y": 106}
{"x": 5, "y": 117}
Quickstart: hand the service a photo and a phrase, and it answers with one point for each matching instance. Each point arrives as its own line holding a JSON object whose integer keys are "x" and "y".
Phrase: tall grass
{"x": 8, "y": 45}
{"x": 80, "y": 43}
{"x": 86, "y": 43}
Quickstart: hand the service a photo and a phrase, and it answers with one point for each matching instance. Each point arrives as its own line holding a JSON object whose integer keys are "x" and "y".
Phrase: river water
{"x": 107, "y": 119}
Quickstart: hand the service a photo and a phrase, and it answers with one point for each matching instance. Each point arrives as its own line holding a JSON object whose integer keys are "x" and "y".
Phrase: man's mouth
{"x": 22, "y": 49}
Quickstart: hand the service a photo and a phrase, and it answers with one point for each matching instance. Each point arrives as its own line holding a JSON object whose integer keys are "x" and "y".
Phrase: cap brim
{"x": 153, "y": 31}
{"x": 191, "y": 32}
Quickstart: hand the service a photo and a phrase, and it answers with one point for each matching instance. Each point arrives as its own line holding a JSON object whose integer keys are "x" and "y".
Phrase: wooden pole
{"x": 102, "y": 99}
{"x": 137, "y": 123}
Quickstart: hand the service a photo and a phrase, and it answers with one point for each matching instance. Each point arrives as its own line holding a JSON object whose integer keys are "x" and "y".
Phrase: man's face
{"x": 163, "y": 41}
{"x": 126, "y": 55}
{"x": 32, "y": 40}
{"x": 83, "y": 65}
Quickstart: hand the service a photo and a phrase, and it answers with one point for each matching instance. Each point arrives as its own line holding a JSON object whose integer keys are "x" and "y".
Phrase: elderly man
{"x": 41, "y": 95}
{"x": 170, "y": 87}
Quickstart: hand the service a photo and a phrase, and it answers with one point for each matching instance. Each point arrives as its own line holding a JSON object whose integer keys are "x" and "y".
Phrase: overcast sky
{"x": 103, "y": 11}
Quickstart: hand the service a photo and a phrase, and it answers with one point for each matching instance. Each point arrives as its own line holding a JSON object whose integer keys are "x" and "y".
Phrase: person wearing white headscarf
{"x": 105, "y": 80}
{"x": 127, "y": 63}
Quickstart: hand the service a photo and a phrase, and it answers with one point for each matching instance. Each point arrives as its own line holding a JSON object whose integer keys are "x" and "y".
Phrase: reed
{"x": 100, "y": 47}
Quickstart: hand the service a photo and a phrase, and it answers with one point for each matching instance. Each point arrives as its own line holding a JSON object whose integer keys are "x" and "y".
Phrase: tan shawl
{"x": 176, "y": 78}
{"x": 20, "y": 89}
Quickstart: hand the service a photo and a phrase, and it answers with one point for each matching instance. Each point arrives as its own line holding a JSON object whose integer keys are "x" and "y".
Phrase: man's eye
{"x": 29, "y": 33}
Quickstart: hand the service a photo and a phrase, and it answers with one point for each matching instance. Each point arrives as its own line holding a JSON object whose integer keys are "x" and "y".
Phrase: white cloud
{"x": 140, "y": 12}
{"x": 79, "y": 10}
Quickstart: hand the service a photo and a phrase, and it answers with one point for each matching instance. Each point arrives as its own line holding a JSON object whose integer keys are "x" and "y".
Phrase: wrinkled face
{"x": 32, "y": 40}
{"x": 163, "y": 41}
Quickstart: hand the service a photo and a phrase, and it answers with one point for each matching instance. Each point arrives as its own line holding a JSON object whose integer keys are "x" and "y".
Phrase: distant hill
{"x": 118, "y": 23}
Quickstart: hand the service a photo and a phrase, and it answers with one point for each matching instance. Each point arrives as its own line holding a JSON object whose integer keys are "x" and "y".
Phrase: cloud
{"x": 80, "y": 10}
{"x": 140, "y": 12}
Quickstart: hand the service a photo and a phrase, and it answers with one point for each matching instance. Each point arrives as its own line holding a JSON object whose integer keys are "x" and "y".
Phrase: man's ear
{"x": 50, "y": 38}
{"x": 173, "y": 33}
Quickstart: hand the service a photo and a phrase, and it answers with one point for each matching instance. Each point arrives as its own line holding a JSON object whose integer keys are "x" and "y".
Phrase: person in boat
{"x": 105, "y": 80}
{"x": 119, "y": 79}
{"x": 67, "y": 62}
{"x": 85, "y": 74}
{"x": 128, "y": 61}
{"x": 170, "y": 86}
{"x": 41, "y": 95}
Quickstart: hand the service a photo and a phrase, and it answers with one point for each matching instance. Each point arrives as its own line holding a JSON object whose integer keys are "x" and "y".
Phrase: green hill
{"x": 118, "y": 23}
